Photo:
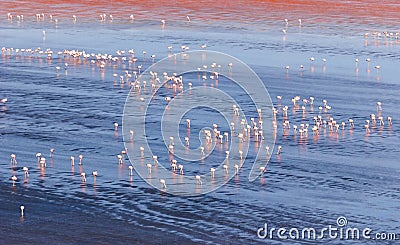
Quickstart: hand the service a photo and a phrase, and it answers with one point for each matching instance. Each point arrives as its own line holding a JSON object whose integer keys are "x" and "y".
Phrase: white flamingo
{"x": 226, "y": 168}
{"x": 198, "y": 179}
{"x": 26, "y": 173}
{"x": 14, "y": 178}
{"x": 120, "y": 159}
{"x": 22, "y": 207}
{"x": 279, "y": 150}
{"x": 80, "y": 159}
{"x": 212, "y": 170}
{"x": 83, "y": 176}
{"x": 236, "y": 169}
{"x": 149, "y": 167}
{"x": 162, "y": 182}
{"x": 13, "y": 160}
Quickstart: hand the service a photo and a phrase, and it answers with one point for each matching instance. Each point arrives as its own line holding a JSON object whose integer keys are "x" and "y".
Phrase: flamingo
{"x": 236, "y": 168}
{"x": 173, "y": 165}
{"x": 94, "y": 173}
{"x": 119, "y": 157}
{"x": 14, "y": 178}
{"x": 286, "y": 22}
{"x": 13, "y": 159}
{"x": 368, "y": 60}
{"x": 221, "y": 138}
{"x": 389, "y": 120}
{"x": 141, "y": 151}
{"x": 225, "y": 166}
{"x": 381, "y": 123}
{"x": 294, "y": 130}
{"x": 149, "y": 167}
{"x": 315, "y": 130}
{"x": 279, "y": 150}
{"x": 123, "y": 152}
{"x": 162, "y": 182}
{"x": 80, "y": 159}
{"x": 198, "y": 179}
{"x": 22, "y": 207}
{"x": 351, "y": 122}
{"x": 367, "y": 128}
{"x": 212, "y": 170}
{"x": 379, "y": 106}
{"x": 240, "y": 154}
{"x": 83, "y": 176}
{"x": 230, "y": 67}
{"x": 155, "y": 159}
{"x": 26, "y": 173}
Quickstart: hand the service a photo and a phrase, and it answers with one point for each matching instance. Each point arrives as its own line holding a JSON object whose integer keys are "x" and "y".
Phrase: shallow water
{"x": 314, "y": 180}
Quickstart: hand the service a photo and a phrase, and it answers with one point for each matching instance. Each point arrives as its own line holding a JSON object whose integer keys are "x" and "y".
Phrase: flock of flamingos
{"x": 318, "y": 124}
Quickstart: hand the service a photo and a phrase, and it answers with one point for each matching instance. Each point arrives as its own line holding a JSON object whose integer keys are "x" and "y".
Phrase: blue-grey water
{"x": 313, "y": 182}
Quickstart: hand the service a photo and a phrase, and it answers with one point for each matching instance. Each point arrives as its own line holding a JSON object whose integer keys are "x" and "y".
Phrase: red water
{"x": 382, "y": 12}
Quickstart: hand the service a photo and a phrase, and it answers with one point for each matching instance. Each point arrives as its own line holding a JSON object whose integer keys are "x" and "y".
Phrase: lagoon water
{"x": 313, "y": 182}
